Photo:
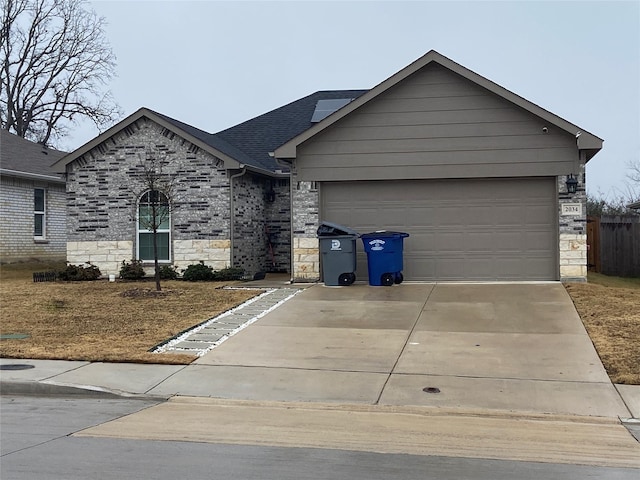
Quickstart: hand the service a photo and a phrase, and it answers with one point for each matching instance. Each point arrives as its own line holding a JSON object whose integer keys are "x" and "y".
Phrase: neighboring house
{"x": 32, "y": 202}
{"x": 474, "y": 173}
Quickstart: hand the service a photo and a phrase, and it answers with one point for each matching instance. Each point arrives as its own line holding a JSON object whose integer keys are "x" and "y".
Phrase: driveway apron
{"x": 516, "y": 347}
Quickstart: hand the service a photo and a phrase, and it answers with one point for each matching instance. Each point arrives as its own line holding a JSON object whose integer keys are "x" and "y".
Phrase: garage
{"x": 475, "y": 229}
{"x": 489, "y": 186}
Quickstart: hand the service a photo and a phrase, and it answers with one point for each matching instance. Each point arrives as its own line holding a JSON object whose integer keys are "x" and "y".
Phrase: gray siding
{"x": 436, "y": 124}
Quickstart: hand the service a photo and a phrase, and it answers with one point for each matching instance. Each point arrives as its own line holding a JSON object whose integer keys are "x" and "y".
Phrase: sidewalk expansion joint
{"x": 208, "y": 335}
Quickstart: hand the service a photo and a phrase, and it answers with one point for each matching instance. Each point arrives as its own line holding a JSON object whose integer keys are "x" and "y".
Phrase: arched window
{"x": 154, "y": 214}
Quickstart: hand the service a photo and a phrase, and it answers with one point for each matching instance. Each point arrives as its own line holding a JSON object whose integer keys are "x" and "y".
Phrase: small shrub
{"x": 168, "y": 272}
{"x": 227, "y": 274}
{"x": 198, "y": 272}
{"x": 132, "y": 271}
{"x": 78, "y": 273}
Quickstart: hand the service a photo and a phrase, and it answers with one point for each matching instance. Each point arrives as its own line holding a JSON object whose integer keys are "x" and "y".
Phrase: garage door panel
{"x": 414, "y": 268}
{"x": 536, "y": 242}
{"x": 449, "y": 241}
{"x": 488, "y": 241}
{"x": 484, "y": 229}
{"x": 506, "y": 215}
{"x": 479, "y": 216}
{"x": 451, "y": 268}
{"x": 476, "y": 269}
{"x": 538, "y": 215}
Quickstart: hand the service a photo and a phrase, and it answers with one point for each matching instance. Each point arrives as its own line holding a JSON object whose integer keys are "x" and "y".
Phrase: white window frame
{"x": 140, "y": 230}
{"x": 40, "y": 213}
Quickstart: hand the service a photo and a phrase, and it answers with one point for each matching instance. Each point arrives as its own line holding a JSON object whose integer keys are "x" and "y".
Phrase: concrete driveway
{"x": 514, "y": 347}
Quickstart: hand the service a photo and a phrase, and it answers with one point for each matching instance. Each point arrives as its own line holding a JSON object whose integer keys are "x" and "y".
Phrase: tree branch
{"x": 55, "y": 62}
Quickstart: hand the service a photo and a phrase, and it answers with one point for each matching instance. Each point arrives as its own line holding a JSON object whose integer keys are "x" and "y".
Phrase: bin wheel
{"x": 346, "y": 279}
{"x": 399, "y": 278}
{"x": 387, "y": 279}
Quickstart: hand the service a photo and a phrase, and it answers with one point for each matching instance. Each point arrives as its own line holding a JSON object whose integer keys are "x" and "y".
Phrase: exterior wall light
{"x": 572, "y": 184}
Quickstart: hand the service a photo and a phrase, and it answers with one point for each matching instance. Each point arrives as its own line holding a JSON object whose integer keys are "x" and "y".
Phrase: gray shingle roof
{"x": 248, "y": 143}
{"x": 257, "y": 137}
{"x": 22, "y": 156}
{"x": 208, "y": 138}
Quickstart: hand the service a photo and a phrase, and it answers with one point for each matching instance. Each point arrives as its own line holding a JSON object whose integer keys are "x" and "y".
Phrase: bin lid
{"x": 384, "y": 233}
{"x": 330, "y": 229}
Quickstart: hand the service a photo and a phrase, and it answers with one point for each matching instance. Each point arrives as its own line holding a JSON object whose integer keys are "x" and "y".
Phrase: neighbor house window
{"x": 154, "y": 211}
{"x": 39, "y": 213}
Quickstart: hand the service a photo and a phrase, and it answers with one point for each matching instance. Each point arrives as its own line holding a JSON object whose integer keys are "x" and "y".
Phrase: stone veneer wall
{"x": 216, "y": 252}
{"x": 17, "y": 221}
{"x": 306, "y": 247}
{"x": 573, "y": 231}
{"x": 104, "y": 185}
{"x": 107, "y": 255}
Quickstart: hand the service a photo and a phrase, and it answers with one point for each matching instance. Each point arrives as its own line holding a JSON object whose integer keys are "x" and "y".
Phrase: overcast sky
{"x": 214, "y": 64}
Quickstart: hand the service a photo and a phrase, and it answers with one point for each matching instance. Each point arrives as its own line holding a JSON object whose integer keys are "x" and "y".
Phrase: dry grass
{"x": 610, "y": 310}
{"x": 102, "y": 321}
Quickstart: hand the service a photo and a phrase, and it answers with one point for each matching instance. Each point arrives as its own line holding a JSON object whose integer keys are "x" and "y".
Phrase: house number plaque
{"x": 571, "y": 209}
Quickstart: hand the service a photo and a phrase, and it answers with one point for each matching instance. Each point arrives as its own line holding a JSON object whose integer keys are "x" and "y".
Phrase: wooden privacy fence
{"x": 614, "y": 245}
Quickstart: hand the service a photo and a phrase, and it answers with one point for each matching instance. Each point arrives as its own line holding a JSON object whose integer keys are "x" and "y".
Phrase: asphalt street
{"x": 37, "y": 442}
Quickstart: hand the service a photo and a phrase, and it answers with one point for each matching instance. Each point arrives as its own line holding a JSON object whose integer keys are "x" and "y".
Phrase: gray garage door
{"x": 487, "y": 229}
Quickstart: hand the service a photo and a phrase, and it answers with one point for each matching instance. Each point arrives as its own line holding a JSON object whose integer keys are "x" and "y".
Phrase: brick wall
{"x": 104, "y": 186}
{"x": 17, "y": 221}
{"x": 261, "y": 235}
{"x": 278, "y": 218}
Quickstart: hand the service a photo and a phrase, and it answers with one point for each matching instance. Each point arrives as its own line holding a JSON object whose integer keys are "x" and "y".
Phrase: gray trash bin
{"x": 338, "y": 253}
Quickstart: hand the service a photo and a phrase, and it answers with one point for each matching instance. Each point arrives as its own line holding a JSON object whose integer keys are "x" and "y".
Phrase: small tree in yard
{"x": 153, "y": 210}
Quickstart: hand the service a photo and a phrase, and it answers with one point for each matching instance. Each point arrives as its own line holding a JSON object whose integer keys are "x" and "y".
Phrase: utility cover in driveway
{"x": 476, "y": 229}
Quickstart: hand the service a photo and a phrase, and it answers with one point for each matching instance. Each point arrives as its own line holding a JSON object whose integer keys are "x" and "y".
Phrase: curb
{"x": 55, "y": 390}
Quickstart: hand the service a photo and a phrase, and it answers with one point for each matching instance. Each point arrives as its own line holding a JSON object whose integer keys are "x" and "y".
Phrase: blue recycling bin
{"x": 384, "y": 256}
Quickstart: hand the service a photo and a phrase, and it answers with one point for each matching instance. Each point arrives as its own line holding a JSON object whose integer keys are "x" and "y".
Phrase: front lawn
{"x": 610, "y": 310}
{"x": 102, "y": 321}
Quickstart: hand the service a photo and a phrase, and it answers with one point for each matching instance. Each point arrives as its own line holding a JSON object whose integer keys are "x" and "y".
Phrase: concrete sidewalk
{"x": 490, "y": 347}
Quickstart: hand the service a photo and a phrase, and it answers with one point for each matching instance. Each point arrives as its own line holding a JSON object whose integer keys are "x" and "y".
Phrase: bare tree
{"x": 156, "y": 200}
{"x": 55, "y": 62}
{"x": 634, "y": 174}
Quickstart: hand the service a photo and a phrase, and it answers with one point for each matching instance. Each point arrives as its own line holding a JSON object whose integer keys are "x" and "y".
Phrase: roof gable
{"x": 586, "y": 141}
{"x": 196, "y": 136}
